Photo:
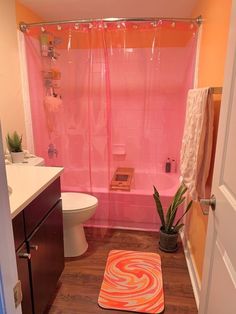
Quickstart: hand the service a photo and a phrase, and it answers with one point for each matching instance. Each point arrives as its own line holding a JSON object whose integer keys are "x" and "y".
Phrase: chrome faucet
{"x": 52, "y": 151}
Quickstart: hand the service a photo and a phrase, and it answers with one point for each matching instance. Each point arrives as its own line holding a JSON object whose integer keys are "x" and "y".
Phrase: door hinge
{"x": 17, "y": 293}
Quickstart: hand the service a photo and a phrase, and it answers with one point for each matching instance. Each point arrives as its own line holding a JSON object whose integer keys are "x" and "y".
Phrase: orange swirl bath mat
{"x": 132, "y": 282}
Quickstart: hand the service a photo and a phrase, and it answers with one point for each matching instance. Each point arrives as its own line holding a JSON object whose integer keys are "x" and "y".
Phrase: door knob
{"x": 206, "y": 202}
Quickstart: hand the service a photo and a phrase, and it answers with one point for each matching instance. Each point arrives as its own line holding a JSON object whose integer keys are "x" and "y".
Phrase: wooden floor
{"x": 82, "y": 277}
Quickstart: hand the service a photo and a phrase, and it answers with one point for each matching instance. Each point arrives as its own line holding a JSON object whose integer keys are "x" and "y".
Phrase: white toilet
{"x": 77, "y": 208}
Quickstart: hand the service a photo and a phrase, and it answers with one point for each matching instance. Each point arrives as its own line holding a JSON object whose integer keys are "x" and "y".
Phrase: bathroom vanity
{"x": 38, "y": 232}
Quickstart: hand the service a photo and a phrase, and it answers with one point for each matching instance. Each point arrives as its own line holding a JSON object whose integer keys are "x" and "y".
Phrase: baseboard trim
{"x": 195, "y": 280}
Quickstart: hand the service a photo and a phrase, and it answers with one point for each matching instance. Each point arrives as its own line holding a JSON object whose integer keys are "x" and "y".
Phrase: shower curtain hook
{"x": 59, "y": 27}
{"x": 23, "y": 27}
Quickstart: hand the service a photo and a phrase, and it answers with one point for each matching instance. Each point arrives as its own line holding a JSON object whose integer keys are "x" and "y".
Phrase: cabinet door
{"x": 18, "y": 230}
{"x": 22, "y": 260}
{"x": 37, "y": 210}
{"x": 47, "y": 258}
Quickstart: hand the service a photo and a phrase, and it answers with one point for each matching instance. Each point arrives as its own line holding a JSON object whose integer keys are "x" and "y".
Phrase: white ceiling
{"x": 75, "y": 9}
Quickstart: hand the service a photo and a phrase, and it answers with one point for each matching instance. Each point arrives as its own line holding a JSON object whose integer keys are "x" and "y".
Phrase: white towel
{"x": 196, "y": 148}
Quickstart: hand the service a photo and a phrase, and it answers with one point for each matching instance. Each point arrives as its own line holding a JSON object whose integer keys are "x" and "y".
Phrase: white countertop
{"x": 27, "y": 183}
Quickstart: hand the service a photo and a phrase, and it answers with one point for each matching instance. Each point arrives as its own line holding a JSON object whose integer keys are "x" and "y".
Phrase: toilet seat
{"x": 73, "y": 202}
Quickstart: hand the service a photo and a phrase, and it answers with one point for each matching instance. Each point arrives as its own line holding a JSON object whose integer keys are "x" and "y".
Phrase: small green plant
{"x": 14, "y": 142}
{"x": 168, "y": 222}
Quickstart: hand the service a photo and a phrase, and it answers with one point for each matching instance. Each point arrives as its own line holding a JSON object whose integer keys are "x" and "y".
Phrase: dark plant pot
{"x": 168, "y": 242}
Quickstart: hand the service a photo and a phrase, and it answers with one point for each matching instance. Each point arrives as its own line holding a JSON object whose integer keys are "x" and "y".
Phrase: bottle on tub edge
{"x": 168, "y": 165}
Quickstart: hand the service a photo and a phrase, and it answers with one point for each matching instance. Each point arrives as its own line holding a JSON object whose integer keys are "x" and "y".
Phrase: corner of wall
{"x": 24, "y": 14}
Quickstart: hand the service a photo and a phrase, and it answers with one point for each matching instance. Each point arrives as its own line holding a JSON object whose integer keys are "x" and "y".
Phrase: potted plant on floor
{"x": 14, "y": 144}
{"x": 170, "y": 229}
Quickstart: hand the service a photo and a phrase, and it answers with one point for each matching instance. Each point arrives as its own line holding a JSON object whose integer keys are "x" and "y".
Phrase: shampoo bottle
{"x": 173, "y": 165}
{"x": 168, "y": 165}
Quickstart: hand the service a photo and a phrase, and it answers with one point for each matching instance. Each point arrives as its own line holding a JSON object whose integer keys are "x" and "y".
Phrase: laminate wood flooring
{"x": 81, "y": 279}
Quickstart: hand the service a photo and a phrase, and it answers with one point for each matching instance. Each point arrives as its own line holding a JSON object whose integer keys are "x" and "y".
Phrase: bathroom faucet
{"x": 52, "y": 151}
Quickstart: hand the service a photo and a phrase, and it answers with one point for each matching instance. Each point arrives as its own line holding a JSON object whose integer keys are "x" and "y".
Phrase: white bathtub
{"x": 135, "y": 209}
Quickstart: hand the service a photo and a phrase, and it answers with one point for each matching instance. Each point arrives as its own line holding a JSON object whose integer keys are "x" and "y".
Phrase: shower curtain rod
{"x": 23, "y": 26}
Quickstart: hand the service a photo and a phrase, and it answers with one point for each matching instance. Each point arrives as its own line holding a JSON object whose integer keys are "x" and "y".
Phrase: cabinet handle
{"x": 34, "y": 247}
{"x": 24, "y": 255}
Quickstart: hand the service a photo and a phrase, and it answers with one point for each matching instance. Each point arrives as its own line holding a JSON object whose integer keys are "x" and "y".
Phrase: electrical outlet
{"x": 17, "y": 293}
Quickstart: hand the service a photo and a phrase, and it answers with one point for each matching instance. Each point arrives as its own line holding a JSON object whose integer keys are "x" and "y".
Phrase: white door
{"x": 8, "y": 271}
{"x": 218, "y": 293}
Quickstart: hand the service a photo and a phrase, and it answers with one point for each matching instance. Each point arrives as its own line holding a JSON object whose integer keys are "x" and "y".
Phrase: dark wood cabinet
{"x": 22, "y": 261}
{"x": 37, "y": 210}
{"x": 18, "y": 230}
{"x": 47, "y": 262}
{"x": 39, "y": 252}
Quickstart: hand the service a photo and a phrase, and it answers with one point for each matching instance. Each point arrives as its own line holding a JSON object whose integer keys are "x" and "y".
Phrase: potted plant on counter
{"x": 14, "y": 144}
{"x": 169, "y": 228}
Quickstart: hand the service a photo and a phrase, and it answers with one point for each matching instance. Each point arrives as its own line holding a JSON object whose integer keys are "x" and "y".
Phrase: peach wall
{"x": 11, "y": 104}
{"x": 24, "y": 14}
{"x": 213, "y": 45}
{"x": 216, "y": 15}
{"x": 197, "y": 228}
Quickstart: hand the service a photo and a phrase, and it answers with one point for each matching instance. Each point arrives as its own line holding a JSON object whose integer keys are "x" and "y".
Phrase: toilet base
{"x": 75, "y": 243}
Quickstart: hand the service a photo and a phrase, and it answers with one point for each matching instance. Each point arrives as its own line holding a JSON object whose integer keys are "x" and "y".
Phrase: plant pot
{"x": 168, "y": 242}
{"x": 17, "y": 157}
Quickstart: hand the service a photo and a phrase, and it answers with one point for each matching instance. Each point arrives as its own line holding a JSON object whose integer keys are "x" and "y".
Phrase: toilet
{"x": 76, "y": 208}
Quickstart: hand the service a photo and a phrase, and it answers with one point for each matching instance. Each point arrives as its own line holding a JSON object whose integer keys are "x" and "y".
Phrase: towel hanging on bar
{"x": 197, "y": 141}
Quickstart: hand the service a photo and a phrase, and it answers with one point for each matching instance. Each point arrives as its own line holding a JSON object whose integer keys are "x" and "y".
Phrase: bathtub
{"x": 135, "y": 209}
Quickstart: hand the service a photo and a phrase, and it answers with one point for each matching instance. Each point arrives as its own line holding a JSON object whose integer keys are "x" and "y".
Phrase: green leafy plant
{"x": 14, "y": 142}
{"x": 168, "y": 221}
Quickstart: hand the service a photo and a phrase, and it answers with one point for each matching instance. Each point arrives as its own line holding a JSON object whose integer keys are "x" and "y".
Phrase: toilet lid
{"x": 77, "y": 201}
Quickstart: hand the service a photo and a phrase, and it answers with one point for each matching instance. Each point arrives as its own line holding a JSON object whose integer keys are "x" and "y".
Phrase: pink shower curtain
{"x": 108, "y": 95}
